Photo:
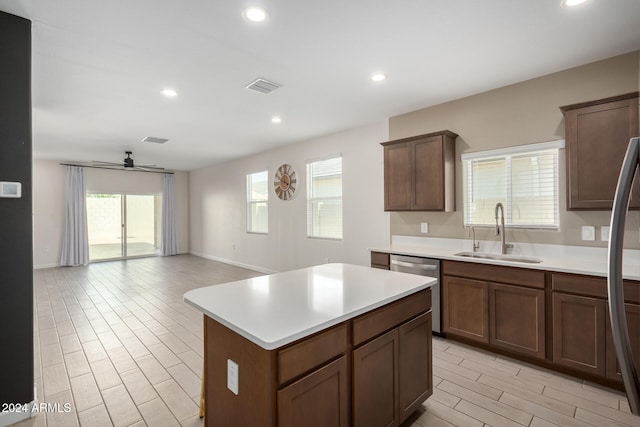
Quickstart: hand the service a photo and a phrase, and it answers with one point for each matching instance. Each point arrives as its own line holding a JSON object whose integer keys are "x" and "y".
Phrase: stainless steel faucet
{"x": 472, "y": 234}
{"x": 503, "y": 246}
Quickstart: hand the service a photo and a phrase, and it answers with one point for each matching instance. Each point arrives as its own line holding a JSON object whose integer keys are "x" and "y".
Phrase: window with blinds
{"x": 324, "y": 198}
{"x": 524, "y": 179}
{"x": 257, "y": 199}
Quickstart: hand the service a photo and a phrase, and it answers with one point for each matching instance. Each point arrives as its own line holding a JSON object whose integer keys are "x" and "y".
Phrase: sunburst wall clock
{"x": 284, "y": 182}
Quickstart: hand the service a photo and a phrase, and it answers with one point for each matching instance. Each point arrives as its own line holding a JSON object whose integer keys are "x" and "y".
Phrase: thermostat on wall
{"x": 11, "y": 189}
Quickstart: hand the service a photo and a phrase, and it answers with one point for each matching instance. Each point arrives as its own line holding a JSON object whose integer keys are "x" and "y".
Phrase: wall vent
{"x": 154, "y": 140}
{"x": 263, "y": 86}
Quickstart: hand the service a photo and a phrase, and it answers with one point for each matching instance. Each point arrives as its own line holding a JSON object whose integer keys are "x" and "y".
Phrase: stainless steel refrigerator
{"x": 617, "y": 313}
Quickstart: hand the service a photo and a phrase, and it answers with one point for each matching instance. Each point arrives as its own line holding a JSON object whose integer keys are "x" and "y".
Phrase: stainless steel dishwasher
{"x": 422, "y": 267}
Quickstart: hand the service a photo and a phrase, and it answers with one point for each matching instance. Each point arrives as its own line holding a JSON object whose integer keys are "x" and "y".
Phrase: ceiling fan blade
{"x": 107, "y": 163}
{"x": 148, "y": 168}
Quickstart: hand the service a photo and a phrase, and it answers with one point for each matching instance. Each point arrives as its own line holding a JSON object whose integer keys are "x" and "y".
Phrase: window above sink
{"x": 523, "y": 178}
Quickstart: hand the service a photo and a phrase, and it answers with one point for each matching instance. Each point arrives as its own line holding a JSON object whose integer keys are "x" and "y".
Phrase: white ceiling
{"x": 99, "y": 66}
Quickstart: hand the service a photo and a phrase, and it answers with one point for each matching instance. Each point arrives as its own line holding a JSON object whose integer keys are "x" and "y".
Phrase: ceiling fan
{"x": 129, "y": 165}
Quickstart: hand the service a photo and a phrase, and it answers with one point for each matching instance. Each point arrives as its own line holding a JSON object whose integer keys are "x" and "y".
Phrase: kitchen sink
{"x": 499, "y": 257}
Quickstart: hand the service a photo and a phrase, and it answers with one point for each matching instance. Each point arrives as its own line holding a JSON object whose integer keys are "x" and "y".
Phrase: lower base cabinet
{"x": 465, "y": 310}
{"x": 392, "y": 374}
{"x": 415, "y": 368}
{"x": 375, "y": 382}
{"x": 579, "y": 333}
{"x": 320, "y": 399}
{"x": 372, "y": 370}
{"x": 502, "y": 307}
{"x": 632, "y": 312}
{"x": 516, "y": 320}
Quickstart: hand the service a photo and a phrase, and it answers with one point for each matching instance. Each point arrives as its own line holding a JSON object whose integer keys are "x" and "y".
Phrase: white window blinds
{"x": 324, "y": 198}
{"x": 524, "y": 179}
{"x": 257, "y": 199}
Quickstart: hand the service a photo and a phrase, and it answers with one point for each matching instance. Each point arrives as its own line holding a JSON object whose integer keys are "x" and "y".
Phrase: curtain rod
{"x": 115, "y": 168}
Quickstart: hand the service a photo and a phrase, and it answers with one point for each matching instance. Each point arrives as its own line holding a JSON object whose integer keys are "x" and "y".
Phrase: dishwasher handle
{"x": 414, "y": 265}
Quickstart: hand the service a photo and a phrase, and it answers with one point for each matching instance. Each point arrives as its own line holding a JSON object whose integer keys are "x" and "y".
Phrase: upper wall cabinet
{"x": 597, "y": 134}
{"x": 419, "y": 173}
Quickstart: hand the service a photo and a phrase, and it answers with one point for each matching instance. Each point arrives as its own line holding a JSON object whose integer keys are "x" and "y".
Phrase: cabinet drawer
{"x": 379, "y": 259}
{"x": 578, "y": 284}
{"x": 495, "y": 273}
{"x": 372, "y": 324}
{"x": 312, "y": 352}
{"x": 592, "y": 286}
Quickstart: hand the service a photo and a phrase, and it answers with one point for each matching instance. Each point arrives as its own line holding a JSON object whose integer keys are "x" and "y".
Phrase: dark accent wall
{"x": 16, "y": 240}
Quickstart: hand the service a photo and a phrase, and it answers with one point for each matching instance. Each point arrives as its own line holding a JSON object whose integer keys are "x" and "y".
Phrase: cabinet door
{"x": 465, "y": 308}
{"x": 596, "y": 141}
{"x": 579, "y": 333}
{"x": 517, "y": 319}
{"x": 415, "y": 368}
{"x": 375, "y": 382}
{"x": 633, "y": 321}
{"x": 320, "y": 399}
{"x": 429, "y": 174}
{"x": 398, "y": 177}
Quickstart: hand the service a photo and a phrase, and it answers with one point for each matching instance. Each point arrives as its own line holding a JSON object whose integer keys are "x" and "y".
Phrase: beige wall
{"x": 49, "y": 197}
{"x": 522, "y": 113}
{"x": 218, "y": 206}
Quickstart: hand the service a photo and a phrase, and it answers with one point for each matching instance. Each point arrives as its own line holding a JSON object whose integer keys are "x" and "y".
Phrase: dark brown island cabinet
{"x": 597, "y": 134}
{"x": 372, "y": 370}
{"x": 419, "y": 173}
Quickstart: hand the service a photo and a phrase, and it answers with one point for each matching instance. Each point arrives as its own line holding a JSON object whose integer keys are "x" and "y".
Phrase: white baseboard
{"x": 8, "y": 418}
{"x": 235, "y": 263}
{"x": 41, "y": 266}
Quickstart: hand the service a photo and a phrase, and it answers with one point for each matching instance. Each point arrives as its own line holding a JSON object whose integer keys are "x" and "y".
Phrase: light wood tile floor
{"x": 116, "y": 342}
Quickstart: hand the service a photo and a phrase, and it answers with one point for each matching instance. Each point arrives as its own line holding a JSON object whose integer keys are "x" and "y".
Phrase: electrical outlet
{"x": 424, "y": 227}
{"x": 588, "y": 232}
{"x": 327, "y": 260}
{"x": 604, "y": 233}
{"x": 232, "y": 376}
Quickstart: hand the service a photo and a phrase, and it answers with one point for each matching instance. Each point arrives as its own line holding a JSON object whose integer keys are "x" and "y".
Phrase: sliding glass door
{"x": 123, "y": 225}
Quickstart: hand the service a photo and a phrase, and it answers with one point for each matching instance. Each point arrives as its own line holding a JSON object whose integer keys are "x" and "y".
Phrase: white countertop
{"x": 566, "y": 259}
{"x": 277, "y": 309}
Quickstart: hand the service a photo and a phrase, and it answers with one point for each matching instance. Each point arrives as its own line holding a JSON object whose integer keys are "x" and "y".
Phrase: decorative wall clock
{"x": 284, "y": 182}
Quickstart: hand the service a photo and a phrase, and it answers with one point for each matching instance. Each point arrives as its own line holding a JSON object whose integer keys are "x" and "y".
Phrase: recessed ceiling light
{"x": 170, "y": 93}
{"x": 276, "y": 119}
{"x": 255, "y": 14}
{"x": 571, "y": 3}
{"x": 378, "y": 77}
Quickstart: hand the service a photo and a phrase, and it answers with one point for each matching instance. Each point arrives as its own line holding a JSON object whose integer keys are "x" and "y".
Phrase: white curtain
{"x": 75, "y": 246}
{"x": 169, "y": 226}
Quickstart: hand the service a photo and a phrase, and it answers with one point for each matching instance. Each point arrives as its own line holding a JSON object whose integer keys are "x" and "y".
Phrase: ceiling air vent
{"x": 154, "y": 140}
{"x": 263, "y": 86}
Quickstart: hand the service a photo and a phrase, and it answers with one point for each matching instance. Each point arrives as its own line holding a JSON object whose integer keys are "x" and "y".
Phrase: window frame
{"x": 250, "y": 202}
{"x": 507, "y": 154}
{"x": 310, "y": 200}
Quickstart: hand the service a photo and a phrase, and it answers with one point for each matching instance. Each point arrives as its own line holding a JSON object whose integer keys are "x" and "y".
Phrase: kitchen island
{"x": 330, "y": 345}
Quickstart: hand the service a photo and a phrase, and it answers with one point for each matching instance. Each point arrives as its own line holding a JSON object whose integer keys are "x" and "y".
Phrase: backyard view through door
{"x": 123, "y": 225}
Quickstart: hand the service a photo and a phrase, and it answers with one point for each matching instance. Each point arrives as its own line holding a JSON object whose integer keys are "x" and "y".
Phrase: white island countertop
{"x": 277, "y": 309}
